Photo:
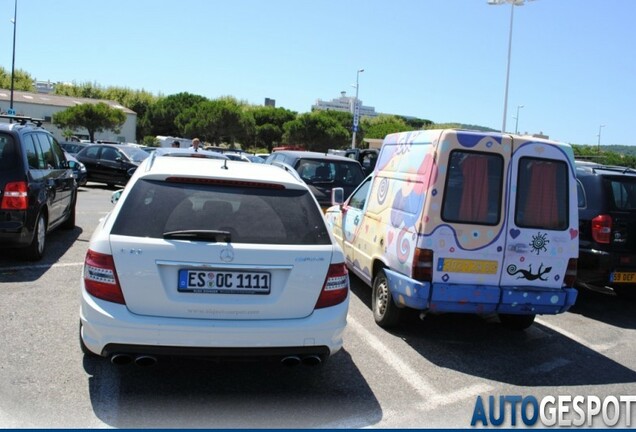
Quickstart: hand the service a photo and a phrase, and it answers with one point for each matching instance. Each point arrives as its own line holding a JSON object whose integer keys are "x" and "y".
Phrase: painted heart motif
{"x": 514, "y": 233}
{"x": 390, "y": 237}
{"x": 573, "y": 233}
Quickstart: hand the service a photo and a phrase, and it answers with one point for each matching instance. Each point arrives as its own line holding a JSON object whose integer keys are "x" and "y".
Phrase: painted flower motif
{"x": 445, "y": 278}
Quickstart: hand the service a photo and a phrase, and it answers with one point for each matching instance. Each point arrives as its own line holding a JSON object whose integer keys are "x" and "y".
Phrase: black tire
{"x": 69, "y": 223}
{"x": 83, "y": 346}
{"x": 35, "y": 250}
{"x": 516, "y": 322}
{"x": 385, "y": 312}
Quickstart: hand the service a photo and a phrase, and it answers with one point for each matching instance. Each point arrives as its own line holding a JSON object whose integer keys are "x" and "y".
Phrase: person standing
{"x": 195, "y": 144}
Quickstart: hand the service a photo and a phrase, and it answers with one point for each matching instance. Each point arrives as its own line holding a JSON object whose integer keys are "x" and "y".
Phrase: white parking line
{"x": 599, "y": 348}
{"x": 413, "y": 378}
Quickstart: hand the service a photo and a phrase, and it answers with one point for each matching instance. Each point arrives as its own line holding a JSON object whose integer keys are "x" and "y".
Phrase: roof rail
{"x": 23, "y": 119}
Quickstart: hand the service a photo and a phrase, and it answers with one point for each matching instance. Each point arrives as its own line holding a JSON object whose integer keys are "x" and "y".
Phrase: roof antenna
{"x": 224, "y": 164}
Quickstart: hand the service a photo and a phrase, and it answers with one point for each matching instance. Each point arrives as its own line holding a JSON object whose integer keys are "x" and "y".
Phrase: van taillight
{"x": 15, "y": 196}
{"x": 423, "y": 265}
{"x": 602, "y": 228}
{"x": 100, "y": 277}
{"x": 336, "y": 286}
{"x": 570, "y": 273}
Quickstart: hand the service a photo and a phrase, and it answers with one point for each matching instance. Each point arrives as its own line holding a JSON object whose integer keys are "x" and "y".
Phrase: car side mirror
{"x": 131, "y": 171}
{"x": 72, "y": 164}
{"x": 116, "y": 195}
{"x": 337, "y": 196}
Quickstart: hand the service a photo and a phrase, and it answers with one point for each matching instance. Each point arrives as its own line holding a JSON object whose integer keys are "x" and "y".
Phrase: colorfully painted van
{"x": 464, "y": 221}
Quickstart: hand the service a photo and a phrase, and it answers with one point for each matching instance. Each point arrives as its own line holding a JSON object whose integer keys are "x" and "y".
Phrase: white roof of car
{"x": 166, "y": 166}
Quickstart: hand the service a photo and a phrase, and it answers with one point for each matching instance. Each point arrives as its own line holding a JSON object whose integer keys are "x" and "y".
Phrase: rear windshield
{"x": 250, "y": 215}
{"x": 622, "y": 192}
{"x": 8, "y": 152}
{"x": 334, "y": 173}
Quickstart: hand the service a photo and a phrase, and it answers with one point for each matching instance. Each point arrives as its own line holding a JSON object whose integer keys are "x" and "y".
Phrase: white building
{"x": 43, "y": 106}
{"x": 344, "y": 103}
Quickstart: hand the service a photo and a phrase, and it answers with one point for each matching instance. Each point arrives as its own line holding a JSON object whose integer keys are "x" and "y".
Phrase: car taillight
{"x": 570, "y": 273}
{"x": 423, "y": 265}
{"x": 100, "y": 277}
{"x": 602, "y": 228}
{"x": 336, "y": 286}
{"x": 15, "y": 196}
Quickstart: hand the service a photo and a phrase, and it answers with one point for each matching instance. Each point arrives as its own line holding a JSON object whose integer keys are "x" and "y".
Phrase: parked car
{"x": 38, "y": 190}
{"x": 607, "y": 227}
{"x": 79, "y": 169}
{"x": 213, "y": 258}
{"x": 73, "y": 148}
{"x": 111, "y": 163}
{"x": 464, "y": 222}
{"x": 322, "y": 172}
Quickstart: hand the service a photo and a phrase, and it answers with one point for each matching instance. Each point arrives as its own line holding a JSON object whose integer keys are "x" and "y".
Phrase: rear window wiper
{"x": 215, "y": 235}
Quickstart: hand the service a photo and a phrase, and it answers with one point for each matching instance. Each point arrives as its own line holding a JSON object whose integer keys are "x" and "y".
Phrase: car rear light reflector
{"x": 223, "y": 182}
{"x": 336, "y": 286}
{"x": 15, "y": 196}
{"x": 602, "y": 228}
{"x": 423, "y": 265}
{"x": 100, "y": 277}
{"x": 570, "y": 273}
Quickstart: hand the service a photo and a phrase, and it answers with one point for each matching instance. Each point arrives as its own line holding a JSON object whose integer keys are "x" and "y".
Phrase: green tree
{"x": 218, "y": 121}
{"x": 160, "y": 116}
{"x": 269, "y": 123}
{"x": 93, "y": 117}
{"x": 381, "y": 126}
{"x": 316, "y": 131}
{"x": 22, "y": 81}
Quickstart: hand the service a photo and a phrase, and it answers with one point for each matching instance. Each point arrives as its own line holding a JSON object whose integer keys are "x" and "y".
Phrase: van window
{"x": 542, "y": 194}
{"x": 359, "y": 198}
{"x": 473, "y": 188}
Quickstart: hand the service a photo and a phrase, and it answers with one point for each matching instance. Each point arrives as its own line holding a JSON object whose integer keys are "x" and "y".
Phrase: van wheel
{"x": 516, "y": 322}
{"x": 35, "y": 250}
{"x": 385, "y": 312}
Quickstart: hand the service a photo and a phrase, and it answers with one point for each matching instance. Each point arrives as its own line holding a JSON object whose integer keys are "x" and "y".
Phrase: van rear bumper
{"x": 479, "y": 299}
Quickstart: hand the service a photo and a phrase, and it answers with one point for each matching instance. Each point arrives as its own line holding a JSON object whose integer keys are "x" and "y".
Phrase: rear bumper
{"x": 13, "y": 230}
{"x": 109, "y": 327}
{"x": 479, "y": 299}
{"x": 596, "y": 267}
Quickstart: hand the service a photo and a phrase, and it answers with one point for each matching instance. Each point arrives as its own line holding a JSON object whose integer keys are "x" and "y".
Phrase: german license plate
{"x": 224, "y": 282}
{"x": 623, "y": 277}
{"x": 456, "y": 265}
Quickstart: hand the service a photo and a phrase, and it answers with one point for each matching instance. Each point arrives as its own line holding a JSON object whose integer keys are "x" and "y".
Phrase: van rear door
{"x": 542, "y": 220}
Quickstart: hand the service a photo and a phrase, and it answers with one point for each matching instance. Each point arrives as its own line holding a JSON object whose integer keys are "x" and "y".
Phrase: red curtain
{"x": 541, "y": 205}
{"x": 474, "y": 203}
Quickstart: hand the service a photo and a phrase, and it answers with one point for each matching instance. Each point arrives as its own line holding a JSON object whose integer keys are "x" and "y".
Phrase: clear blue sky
{"x": 573, "y": 62}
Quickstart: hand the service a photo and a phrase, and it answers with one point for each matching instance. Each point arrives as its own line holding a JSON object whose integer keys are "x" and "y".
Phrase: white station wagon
{"x": 213, "y": 258}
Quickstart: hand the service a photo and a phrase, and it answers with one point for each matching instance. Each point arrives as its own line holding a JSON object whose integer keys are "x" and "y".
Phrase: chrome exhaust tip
{"x": 312, "y": 360}
{"x": 120, "y": 359}
{"x": 290, "y": 361}
{"x": 145, "y": 360}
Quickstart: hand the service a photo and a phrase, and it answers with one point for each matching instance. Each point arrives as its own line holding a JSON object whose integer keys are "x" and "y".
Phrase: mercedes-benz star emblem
{"x": 227, "y": 255}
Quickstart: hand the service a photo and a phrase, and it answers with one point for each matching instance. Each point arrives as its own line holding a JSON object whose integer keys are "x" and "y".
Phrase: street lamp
{"x": 517, "y": 119}
{"x": 598, "y": 146}
{"x": 513, "y": 3}
{"x": 14, "y": 21}
{"x": 356, "y": 110}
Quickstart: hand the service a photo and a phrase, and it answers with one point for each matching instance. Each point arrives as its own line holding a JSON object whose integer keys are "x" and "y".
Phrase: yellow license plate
{"x": 623, "y": 277}
{"x": 456, "y": 265}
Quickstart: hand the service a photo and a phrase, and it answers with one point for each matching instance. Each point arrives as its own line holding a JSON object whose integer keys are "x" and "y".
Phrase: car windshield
{"x": 135, "y": 154}
{"x": 333, "y": 172}
{"x": 161, "y": 209}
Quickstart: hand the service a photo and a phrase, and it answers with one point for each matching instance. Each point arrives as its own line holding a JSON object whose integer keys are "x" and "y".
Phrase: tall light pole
{"x": 356, "y": 110}
{"x": 14, "y": 21}
{"x": 517, "y": 119}
{"x": 513, "y": 3}
{"x": 598, "y": 146}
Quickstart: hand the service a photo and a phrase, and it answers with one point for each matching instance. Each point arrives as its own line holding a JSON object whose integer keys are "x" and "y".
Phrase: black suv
{"x": 322, "y": 172}
{"x": 607, "y": 227}
{"x": 38, "y": 190}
